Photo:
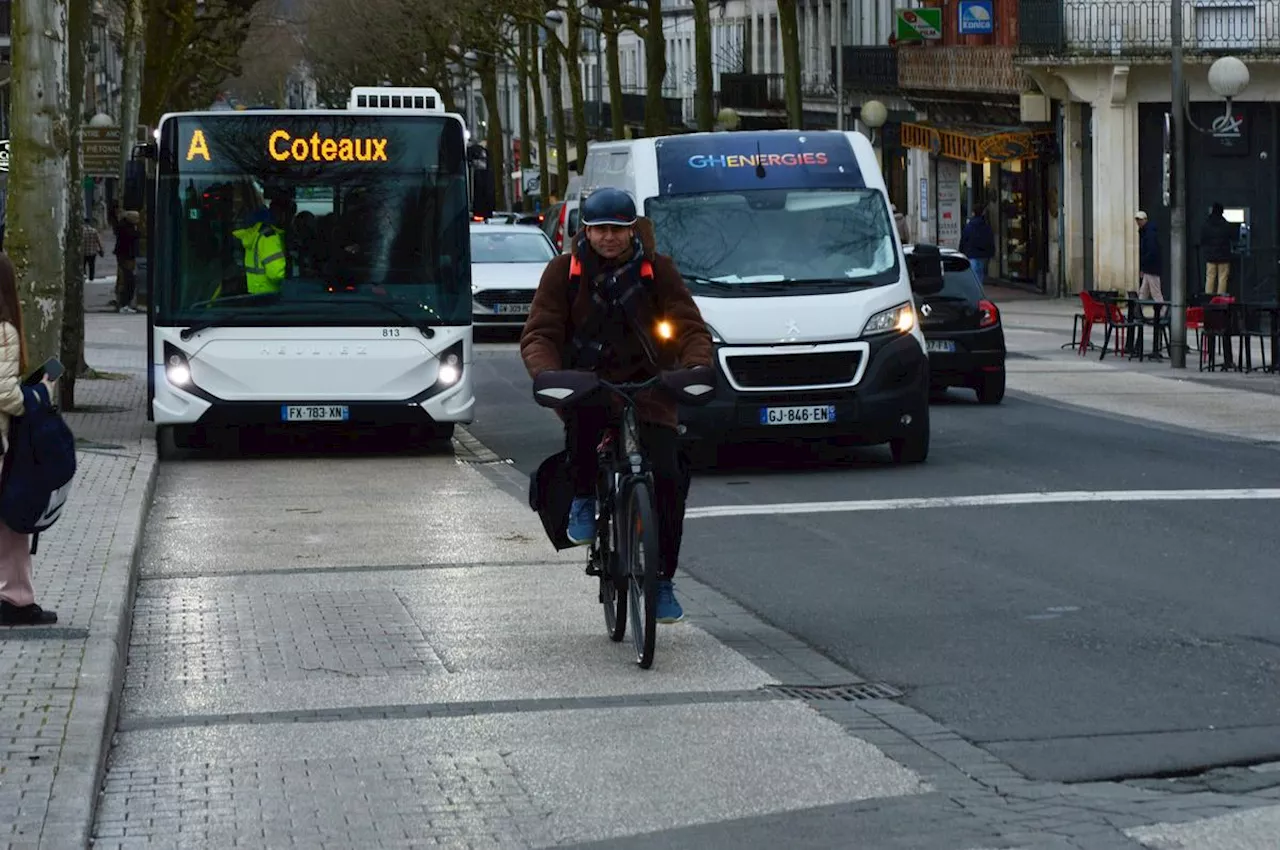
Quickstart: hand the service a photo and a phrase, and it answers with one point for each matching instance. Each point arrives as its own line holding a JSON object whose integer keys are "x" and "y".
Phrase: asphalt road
{"x": 1087, "y": 639}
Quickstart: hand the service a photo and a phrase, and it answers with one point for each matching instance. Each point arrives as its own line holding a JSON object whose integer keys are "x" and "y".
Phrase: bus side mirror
{"x": 924, "y": 269}
{"x": 135, "y": 181}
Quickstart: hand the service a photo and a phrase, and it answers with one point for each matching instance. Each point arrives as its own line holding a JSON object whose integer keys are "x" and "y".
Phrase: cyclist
{"x": 615, "y": 307}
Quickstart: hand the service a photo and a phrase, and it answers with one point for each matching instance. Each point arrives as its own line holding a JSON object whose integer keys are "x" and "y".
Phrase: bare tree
{"x": 36, "y": 234}
{"x": 191, "y": 47}
{"x": 788, "y": 23}
{"x": 131, "y": 82}
{"x": 79, "y": 26}
{"x": 271, "y": 53}
{"x": 702, "y": 61}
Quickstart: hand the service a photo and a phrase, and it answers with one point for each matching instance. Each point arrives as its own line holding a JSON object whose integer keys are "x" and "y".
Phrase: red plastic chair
{"x": 1096, "y": 312}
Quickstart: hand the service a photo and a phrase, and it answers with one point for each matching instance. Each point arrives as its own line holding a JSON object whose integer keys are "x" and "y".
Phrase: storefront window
{"x": 1014, "y": 235}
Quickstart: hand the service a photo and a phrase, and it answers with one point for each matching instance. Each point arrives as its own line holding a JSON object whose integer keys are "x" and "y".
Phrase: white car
{"x": 506, "y": 265}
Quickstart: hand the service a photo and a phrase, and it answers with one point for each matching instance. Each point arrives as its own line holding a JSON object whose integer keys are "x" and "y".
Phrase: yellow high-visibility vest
{"x": 264, "y": 258}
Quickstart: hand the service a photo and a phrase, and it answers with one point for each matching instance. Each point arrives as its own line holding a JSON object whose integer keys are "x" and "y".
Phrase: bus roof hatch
{"x": 394, "y": 99}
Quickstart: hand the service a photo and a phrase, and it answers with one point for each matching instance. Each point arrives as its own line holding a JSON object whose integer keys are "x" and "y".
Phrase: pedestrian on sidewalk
{"x": 978, "y": 243}
{"x": 92, "y": 247}
{"x": 1149, "y": 265}
{"x": 1216, "y": 236}
{"x": 17, "y": 595}
{"x": 128, "y": 237}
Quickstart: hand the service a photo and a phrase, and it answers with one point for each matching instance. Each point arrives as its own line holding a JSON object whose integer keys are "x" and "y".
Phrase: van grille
{"x": 794, "y": 370}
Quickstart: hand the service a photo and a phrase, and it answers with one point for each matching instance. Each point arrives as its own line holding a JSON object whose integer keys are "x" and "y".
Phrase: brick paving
{"x": 57, "y": 683}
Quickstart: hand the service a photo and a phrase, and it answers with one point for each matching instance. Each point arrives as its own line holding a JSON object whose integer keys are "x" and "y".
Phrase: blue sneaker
{"x": 582, "y": 522}
{"x": 669, "y": 610}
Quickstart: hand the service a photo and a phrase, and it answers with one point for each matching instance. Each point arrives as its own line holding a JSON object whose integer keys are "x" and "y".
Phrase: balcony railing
{"x": 1130, "y": 28}
{"x": 872, "y": 68}
{"x": 753, "y": 91}
{"x": 982, "y": 68}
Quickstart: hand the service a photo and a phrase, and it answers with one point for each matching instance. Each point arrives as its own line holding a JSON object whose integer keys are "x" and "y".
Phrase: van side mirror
{"x": 924, "y": 269}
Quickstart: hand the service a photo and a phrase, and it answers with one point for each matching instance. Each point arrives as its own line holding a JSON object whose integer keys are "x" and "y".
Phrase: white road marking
{"x": 992, "y": 500}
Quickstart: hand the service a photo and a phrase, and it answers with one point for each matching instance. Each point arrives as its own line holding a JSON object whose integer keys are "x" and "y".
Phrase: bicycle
{"x": 624, "y": 555}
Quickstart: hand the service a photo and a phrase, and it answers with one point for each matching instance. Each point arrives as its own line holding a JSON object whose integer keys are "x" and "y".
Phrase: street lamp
{"x": 874, "y": 114}
{"x": 1228, "y": 77}
{"x": 727, "y": 119}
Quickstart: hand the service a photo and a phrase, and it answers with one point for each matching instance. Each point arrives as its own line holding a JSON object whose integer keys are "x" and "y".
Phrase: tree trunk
{"x": 554, "y": 80}
{"x": 616, "y": 115}
{"x": 131, "y": 80}
{"x": 170, "y": 25}
{"x": 36, "y": 235}
{"x": 522, "y": 80}
{"x": 655, "y": 60}
{"x": 704, "y": 108}
{"x": 572, "y": 54}
{"x": 791, "y": 62}
{"x": 488, "y": 71}
{"x": 544, "y": 170}
{"x": 78, "y": 28}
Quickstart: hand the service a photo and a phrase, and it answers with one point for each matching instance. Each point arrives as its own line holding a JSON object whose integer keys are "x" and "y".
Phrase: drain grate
{"x": 841, "y": 693}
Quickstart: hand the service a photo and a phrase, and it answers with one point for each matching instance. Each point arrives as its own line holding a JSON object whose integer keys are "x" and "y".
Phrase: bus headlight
{"x": 901, "y": 319}
{"x": 450, "y": 370}
{"x": 177, "y": 370}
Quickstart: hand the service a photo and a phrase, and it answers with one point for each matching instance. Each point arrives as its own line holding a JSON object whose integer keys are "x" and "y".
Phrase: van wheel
{"x": 913, "y": 445}
{"x": 990, "y": 387}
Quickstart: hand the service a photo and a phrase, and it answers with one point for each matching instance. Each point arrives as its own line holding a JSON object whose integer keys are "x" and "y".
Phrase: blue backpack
{"x": 38, "y": 467}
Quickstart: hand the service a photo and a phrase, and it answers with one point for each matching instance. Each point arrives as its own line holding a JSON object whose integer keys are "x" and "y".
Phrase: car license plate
{"x": 512, "y": 308}
{"x": 943, "y": 345}
{"x": 314, "y": 413}
{"x": 814, "y": 415}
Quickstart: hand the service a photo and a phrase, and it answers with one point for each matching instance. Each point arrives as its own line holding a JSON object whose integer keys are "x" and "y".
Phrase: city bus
{"x": 309, "y": 268}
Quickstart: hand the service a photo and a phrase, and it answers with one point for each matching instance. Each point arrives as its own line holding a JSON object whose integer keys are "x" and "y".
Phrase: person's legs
{"x": 17, "y": 597}
{"x": 582, "y": 429}
{"x": 671, "y": 492}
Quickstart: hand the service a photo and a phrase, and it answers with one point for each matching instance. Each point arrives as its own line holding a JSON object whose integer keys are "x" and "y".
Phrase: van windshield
{"x": 777, "y": 241}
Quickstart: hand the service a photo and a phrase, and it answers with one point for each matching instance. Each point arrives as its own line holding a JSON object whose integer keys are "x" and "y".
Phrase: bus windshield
{"x": 311, "y": 219}
{"x": 784, "y": 241}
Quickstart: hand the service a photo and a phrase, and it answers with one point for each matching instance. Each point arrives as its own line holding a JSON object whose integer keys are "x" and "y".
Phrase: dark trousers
{"x": 124, "y": 286}
{"x": 584, "y": 426}
{"x": 90, "y": 264}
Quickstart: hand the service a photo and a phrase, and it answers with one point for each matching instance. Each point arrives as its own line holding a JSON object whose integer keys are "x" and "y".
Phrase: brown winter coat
{"x": 546, "y": 332}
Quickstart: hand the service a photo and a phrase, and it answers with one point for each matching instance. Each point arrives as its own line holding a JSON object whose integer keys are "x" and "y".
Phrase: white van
{"x": 787, "y": 242}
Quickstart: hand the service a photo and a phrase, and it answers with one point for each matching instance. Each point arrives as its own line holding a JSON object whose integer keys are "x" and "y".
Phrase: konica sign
{"x": 728, "y": 162}
{"x": 976, "y": 17}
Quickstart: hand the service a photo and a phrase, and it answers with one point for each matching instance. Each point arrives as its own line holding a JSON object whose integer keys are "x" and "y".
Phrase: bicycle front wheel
{"x": 640, "y": 551}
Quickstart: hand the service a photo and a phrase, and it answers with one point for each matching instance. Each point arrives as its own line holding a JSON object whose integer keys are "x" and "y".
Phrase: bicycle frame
{"x": 619, "y": 466}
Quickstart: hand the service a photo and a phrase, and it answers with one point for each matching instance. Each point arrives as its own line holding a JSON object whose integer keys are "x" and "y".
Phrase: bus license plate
{"x": 815, "y": 415}
{"x": 315, "y": 413}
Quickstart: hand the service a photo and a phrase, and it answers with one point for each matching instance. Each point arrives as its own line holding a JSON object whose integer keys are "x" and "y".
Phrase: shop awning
{"x": 976, "y": 143}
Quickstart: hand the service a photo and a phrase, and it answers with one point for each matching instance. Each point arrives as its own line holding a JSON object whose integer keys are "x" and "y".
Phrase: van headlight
{"x": 900, "y": 319}
{"x": 715, "y": 335}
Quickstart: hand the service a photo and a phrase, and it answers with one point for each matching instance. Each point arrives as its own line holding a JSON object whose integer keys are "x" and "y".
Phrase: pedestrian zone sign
{"x": 919, "y": 24}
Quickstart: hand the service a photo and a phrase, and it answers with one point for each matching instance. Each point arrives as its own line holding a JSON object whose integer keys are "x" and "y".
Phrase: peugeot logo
{"x": 792, "y": 328}
{"x": 926, "y": 310}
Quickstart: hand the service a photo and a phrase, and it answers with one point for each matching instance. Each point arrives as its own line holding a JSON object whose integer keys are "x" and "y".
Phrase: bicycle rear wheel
{"x": 640, "y": 551}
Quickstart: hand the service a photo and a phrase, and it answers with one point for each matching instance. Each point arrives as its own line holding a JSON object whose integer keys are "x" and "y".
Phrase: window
{"x": 513, "y": 247}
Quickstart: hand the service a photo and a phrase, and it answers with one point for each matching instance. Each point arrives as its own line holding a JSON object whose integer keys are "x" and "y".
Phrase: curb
{"x": 74, "y": 799}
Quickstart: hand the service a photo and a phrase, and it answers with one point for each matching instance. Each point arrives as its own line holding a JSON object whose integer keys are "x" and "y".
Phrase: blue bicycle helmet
{"x": 608, "y": 206}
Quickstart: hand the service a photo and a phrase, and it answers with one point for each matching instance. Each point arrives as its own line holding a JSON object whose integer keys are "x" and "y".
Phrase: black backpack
{"x": 38, "y": 466}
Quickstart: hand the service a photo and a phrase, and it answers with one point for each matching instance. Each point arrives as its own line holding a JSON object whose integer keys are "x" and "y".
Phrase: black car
{"x": 963, "y": 332}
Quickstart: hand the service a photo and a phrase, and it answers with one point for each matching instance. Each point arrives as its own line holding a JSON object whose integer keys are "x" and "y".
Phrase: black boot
{"x": 25, "y": 615}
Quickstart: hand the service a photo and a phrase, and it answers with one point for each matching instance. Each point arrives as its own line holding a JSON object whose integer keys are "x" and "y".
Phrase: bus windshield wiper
{"x": 420, "y": 323}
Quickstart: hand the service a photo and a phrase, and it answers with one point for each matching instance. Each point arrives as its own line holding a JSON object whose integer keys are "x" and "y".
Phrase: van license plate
{"x": 815, "y": 415}
{"x": 945, "y": 346}
{"x": 314, "y": 413}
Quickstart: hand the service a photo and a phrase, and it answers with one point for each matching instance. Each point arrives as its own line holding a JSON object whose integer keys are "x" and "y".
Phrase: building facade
{"x": 1106, "y": 63}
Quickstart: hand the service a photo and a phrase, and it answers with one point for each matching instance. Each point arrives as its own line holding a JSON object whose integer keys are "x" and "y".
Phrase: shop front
{"x": 1233, "y": 159}
{"x": 1008, "y": 172}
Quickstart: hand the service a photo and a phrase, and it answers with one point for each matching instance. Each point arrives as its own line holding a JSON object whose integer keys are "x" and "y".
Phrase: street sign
{"x": 976, "y": 17}
{"x": 4, "y": 156}
{"x": 101, "y": 150}
{"x": 919, "y": 24}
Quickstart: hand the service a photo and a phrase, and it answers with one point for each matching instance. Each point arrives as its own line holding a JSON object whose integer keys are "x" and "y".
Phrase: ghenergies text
{"x": 317, "y": 149}
{"x": 752, "y": 160}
